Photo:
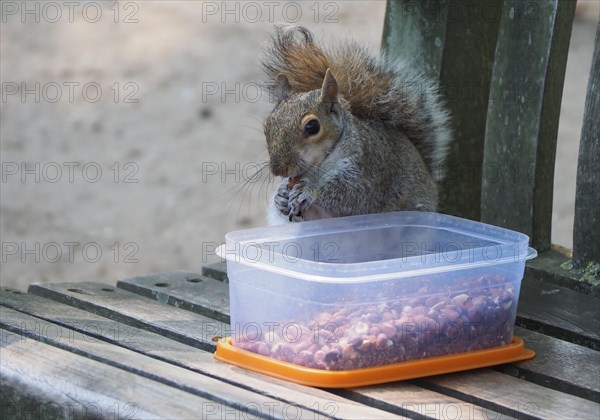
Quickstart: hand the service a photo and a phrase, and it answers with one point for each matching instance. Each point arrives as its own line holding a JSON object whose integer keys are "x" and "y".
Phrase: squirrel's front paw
{"x": 300, "y": 200}
{"x": 282, "y": 199}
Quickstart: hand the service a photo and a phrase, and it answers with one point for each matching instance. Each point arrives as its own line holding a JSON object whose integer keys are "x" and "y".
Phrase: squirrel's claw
{"x": 282, "y": 199}
{"x": 300, "y": 200}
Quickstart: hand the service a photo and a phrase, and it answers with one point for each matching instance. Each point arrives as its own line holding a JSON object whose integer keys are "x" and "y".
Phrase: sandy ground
{"x": 128, "y": 139}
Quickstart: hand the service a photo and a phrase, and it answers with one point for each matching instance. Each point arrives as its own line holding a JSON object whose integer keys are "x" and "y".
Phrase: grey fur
{"x": 383, "y": 139}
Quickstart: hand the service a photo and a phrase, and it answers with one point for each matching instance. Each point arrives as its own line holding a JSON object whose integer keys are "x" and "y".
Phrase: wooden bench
{"x": 501, "y": 65}
{"x": 143, "y": 349}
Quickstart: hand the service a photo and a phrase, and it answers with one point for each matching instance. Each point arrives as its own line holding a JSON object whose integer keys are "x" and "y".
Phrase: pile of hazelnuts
{"x": 468, "y": 315}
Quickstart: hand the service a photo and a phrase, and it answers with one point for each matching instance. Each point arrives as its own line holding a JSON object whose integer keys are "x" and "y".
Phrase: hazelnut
{"x": 292, "y": 181}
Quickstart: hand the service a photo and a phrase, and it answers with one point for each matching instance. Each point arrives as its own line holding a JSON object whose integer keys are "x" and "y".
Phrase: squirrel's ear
{"x": 329, "y": 89}
{"x": 283, "y": 89}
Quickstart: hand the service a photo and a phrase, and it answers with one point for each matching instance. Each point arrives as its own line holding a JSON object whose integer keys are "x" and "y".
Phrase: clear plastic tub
{"x": 363, "y": 291}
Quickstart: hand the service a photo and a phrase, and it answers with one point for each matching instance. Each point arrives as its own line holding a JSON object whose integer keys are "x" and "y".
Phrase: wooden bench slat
{"x": 553, "y": 266}
{"x": 522, "y": 123}
{"x": 586, "y": 229}
{"x": 217, "y": 271}
{"x": 410, "y": 35}
{"x": 221, "y": 393}
{"x": 559, "y": 365}
{"x": 559, "y": 312}
{"x": 406, "y": 398}
{"x": 159, "y": 347}
{"x": 457, "y": 48}
{"x": 512, "y": 397}
{"x": 202, "y": 295}
{"x": 465, "y": 79}
{"x": 42, "y": 381}
{"x": 177, "y": 324}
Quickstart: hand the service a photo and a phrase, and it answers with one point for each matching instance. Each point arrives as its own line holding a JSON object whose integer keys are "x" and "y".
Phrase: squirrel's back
{"x": 375, "y": 87}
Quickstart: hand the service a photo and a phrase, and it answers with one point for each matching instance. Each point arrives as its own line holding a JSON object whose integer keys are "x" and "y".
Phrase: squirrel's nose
{"x": 278, "y": 169}
{"x": 283, "y": 169}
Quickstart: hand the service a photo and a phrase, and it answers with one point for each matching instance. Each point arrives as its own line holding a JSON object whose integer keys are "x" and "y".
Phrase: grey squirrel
{"x": 351, "y": 132}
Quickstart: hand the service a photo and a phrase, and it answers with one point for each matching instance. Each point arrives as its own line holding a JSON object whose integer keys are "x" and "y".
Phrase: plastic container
{"x": 366, "y": 291}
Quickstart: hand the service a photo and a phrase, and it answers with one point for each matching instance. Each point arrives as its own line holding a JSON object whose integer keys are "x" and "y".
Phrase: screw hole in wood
{"x": 81, "y": 292}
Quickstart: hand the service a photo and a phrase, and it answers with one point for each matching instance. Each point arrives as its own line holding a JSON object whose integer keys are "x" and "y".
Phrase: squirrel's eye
{"x": 312, "y": 127}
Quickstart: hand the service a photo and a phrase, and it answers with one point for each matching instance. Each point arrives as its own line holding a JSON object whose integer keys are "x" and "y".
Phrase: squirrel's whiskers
{"x": 243, "y": 190}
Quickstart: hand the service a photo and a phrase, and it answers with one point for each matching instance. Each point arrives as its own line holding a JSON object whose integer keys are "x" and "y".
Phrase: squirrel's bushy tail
{"x": 376, "y": 87}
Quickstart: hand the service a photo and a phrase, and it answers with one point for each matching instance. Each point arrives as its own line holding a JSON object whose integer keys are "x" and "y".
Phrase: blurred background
{"x": 130, "y": 131}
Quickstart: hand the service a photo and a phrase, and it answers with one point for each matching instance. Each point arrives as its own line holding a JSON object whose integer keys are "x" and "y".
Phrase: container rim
{"x": 361, "y": 277}
{"x": 513, "y": 248}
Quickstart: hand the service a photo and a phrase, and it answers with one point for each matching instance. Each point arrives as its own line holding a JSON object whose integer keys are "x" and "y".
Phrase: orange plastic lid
{"x": 513, "y": 352}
